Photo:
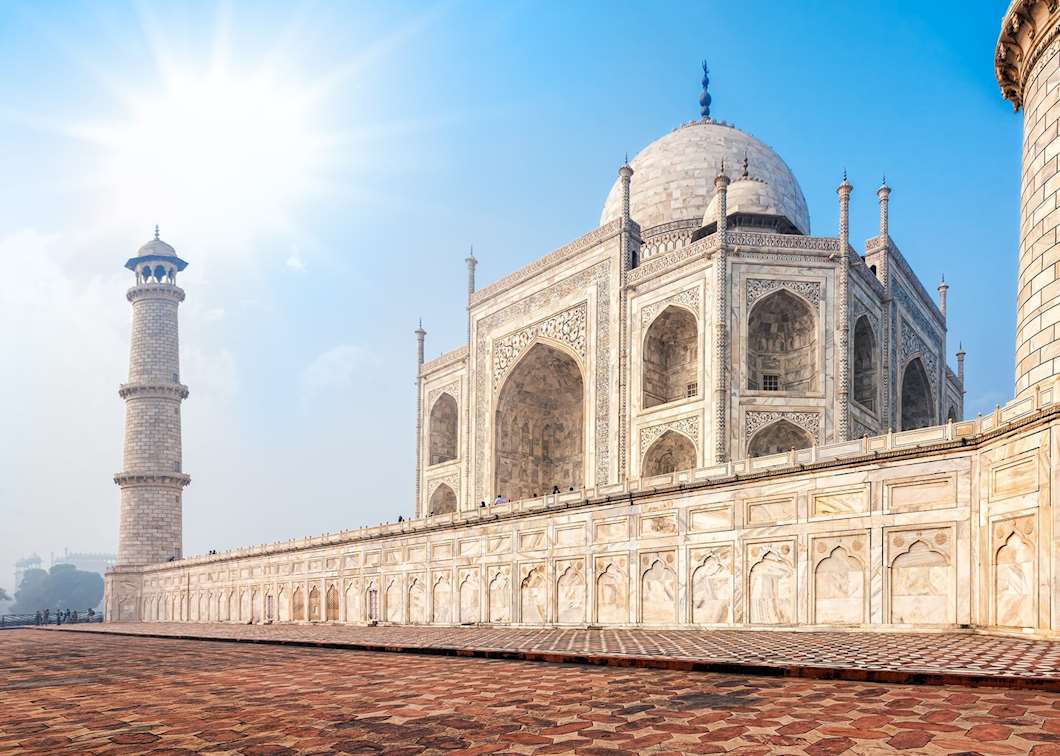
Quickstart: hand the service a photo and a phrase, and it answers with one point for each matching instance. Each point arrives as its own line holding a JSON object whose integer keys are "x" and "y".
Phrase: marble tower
{"x": 151, "y": 479}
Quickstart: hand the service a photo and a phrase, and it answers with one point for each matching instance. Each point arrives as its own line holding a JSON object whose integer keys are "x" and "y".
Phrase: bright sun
{"x": 212, "y": 151}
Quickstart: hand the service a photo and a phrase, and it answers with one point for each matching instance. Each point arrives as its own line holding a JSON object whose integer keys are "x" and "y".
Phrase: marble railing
{"x": 1011, "y": 414}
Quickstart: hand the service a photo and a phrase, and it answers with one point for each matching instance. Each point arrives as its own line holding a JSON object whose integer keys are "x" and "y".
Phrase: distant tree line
{"x": 62, "y": 587}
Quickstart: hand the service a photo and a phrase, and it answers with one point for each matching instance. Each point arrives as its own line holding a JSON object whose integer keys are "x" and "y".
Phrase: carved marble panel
{"x": 441, "y": 599}
{"x": 534, "y": 540}
{"x": 658, "y": 587}
{"x": 770, "y": 511}
{"x": 920, "y": 494}
{"x": 417, "y": 600}
{"x": 771, "y": 582}
{"x": 1014, "y": 563}
{"x": 846, "y": 501}
{"x": 393, "y": 600}
{"x": 921, "y": 590}
{"x": 711, "y": 584}
{"x": 612, "y": 590}
{"x": 809, "y": 421}
{"x": 840, "y": 578}
{"x": 570, "y": 535}
{"x": 658, "y": 525}
{"x": 607, "y": 531}
{"x": 469, "y": 593}
{"x": 710, "y": 518}
{"x": 686, "y": 426}
{"x": 500, "y": 594}
{"x": 566, "y": 327}
{"x": 1013, "y": 477}
{"x": 689, "y": 298}
{"x": 533, "y": 594}
{"x": 570, "y": 590}
{"x": 760, "y": 287}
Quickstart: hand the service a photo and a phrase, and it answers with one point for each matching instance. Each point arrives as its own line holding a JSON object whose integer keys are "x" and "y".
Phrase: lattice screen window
{"x": 770, "y": 382}
{"x": 691, "y": 390}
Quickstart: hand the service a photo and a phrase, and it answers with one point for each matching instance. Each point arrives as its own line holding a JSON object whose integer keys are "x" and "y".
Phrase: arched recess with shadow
{"x": 866, "y": 364}
{"x": 671, "y": 358}
{"x": 778, "y": 438}
{"x": 670, "y": 452}
{"x": 443, "y": 500}
{"x": 538, "y": 428}
{"x": 918, "y": 409}
{"x": 443, "y": 430}
{"x": 782, "y": 344}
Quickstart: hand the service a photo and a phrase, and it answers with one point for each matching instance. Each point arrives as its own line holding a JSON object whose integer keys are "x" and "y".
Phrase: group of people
{"x": 501, "y": 500}
{"x": 61, "y": 616}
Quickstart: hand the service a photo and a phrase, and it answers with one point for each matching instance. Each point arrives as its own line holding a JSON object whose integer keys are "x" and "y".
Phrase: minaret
{"x": 884, "y": 196}
{"x": 842, "y": 429}
{"x": 943, "y": 289}
{"x": 420, "y": 336}
{"x": 1027, "y": 69}
{"x": 721, "y": 322}
{"x": 151, "y": 479}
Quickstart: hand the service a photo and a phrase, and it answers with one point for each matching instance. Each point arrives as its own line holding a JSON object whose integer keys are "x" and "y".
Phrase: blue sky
{"x": 407, "y": 132}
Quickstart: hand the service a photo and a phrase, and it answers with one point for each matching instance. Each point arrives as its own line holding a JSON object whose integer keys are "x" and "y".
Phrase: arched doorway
{"x": 538, "y": 438}
{"x": 782, "y": 345}
{"x": 670, "y": 358}
{"x": 443, "y": 430}
{"x": 865, "y": 364}
{"x": 918, "y": 410}
{"x": 671, "y": 451}
{"x": 778, "y": 438}
{"x": 443, "y": 500}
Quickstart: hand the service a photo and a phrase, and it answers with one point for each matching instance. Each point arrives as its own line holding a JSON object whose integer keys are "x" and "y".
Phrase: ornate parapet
{"x": 153, "y": 390}
{"x": 457, "y": 355}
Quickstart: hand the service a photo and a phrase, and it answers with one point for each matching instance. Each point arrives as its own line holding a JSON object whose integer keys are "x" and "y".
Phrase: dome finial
{"x": 704, "y": 99}
{"x": 745, "y": 174}
{"x": 156, "y": 231}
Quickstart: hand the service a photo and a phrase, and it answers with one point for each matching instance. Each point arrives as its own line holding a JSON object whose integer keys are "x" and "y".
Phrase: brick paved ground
{"x": 78, "y": 692}
{"x": 892, "y": 657}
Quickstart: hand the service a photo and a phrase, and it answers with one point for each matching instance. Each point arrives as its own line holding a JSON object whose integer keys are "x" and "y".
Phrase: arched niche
{"x": 866, "y": 364}
{"x": 918, "y": 409}
{"x": 670, "y": 452}
{"x": 670, "y": 364}
{"x": 782, "y": 344}
{"x": 443, "y": 500}
{"x": 443, "y": 429}
{"x": 777, "y": 438}
{"x": 538, "y": 428}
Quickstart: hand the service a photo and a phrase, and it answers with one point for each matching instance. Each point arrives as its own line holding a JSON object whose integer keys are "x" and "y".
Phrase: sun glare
{"x": 213, "y": 150}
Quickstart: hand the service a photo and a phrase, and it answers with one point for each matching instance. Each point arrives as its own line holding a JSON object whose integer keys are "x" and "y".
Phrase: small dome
{"x": 673, "y": 177}
{"x": 156, "y": 247}
{"x": 747, "y": 195}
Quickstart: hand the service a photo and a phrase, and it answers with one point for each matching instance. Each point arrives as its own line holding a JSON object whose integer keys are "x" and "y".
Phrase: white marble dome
{"x": 673, "y": 177}
{"x": 156, "y": 247}
{"x": 747, "y": 195}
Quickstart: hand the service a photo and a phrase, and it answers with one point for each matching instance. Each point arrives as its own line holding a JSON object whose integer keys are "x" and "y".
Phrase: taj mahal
{"x": 700, "y": 413}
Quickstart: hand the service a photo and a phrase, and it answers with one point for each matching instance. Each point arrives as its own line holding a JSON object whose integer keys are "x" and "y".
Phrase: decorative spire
{"x": 156, "y": 232}
{"x": 704, "y": 99}
{"x": 745, "y": 173}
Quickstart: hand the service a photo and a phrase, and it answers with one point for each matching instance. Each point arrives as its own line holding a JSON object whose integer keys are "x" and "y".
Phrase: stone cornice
{"x": 446, "y": 359}
{"x": 564, "y": 253}
{"x": 659, "y": 264}
{"x": 155, "y": 291}
{"x": 172, "y": 480}
{"x": 154, "y": 390}
{"x": 1028, "y": 29}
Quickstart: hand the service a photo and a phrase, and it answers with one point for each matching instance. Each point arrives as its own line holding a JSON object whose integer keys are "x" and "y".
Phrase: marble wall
{"x": 956, "y": 537}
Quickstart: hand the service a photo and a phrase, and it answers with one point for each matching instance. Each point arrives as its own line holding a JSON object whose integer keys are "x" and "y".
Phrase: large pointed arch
{"x": 539, "y": 425}
{"x": 778, "y": 437}
{"x": 443, "y": 500}
{"x": 670, "y": 452}
{"x": 866, "y": 364}
{"x": 782, "y": 344}
{"x": 670, "y": 358}
{"x": 918, "y": 407}
{"x": 443, "y": 429}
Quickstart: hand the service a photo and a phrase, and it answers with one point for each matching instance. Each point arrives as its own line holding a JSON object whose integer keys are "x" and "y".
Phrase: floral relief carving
{"x": 662, "y": 263}
{"x": 688, "y": 426}
{"x": 781, "y": 241}
{"x": 912, "y": 346}
{"x": 453, "y": 481}
{"x": 759, "y": 287}
{"x": 689, "y": 298}
{"x": 567, "y": 327}
{"x": 810, "y": 422}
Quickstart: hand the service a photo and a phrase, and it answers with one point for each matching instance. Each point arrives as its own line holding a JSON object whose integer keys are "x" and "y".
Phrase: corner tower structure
{"x": 151, "y": 479}
{"x": 1027, "y": 65}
